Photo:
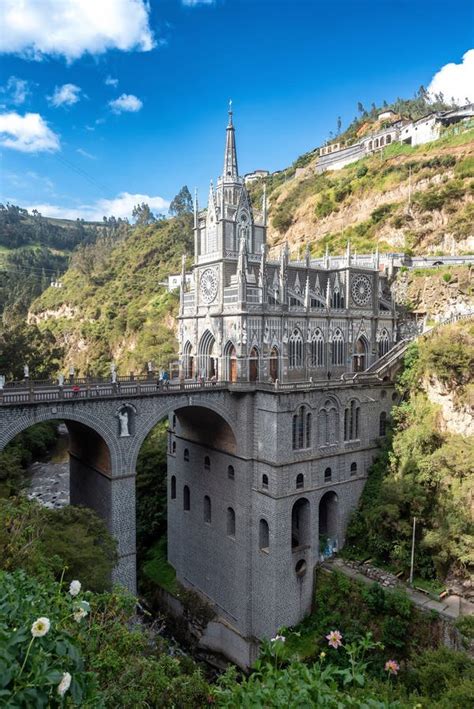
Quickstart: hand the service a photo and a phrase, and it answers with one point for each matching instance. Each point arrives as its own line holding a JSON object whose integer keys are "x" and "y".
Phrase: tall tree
{"x": 143, "y": 214}
{"x": 182, "y": 203}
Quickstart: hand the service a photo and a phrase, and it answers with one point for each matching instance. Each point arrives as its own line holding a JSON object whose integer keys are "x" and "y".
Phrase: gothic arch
{"x": 295, "y": 349}
{"x": 188, "y": 360}
{"x": 360, "y": 355}
{"x": 207, "y": 355}
{"x": 230, "y": 362}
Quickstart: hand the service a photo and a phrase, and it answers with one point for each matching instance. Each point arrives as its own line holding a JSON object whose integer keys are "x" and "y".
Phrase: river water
{"x": 48, "y": 482}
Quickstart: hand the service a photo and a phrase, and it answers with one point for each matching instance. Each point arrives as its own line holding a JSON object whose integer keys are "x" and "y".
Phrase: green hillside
{"x": 402, "y": 198}
{"x": 34, "y": 251}
{"x": 113, "y": 304}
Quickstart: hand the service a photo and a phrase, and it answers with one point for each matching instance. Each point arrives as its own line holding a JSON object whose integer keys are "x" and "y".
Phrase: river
{"x": 48, "y": 482}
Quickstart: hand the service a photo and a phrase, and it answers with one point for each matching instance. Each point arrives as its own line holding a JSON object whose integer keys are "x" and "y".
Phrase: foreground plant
{"x": 40, "y": 660}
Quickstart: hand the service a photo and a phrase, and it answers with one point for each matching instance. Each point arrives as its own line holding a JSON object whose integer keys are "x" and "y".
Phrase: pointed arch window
{"x": 263, "y": 535}
{"x": 352, "y": 421}
{"x": 338, "y": 349}
{"x": 207, "y": 509}
{"x": 295, "y": 350}
{"x": 302, "y": 423}
{"x": 317, "y": 349}
{"x": 383, "y": 424}
{"x": 173, "y": 487}
{"x": 384, "y": 343}
{"x": 328, "y": 423}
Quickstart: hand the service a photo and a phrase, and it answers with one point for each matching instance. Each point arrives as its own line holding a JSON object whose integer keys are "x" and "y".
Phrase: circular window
{"x": 361, "y": 290}
{"x": 300, "y": 568}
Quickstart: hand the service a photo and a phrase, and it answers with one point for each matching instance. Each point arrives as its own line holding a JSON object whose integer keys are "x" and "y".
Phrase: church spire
{"x": 231, "y": 172}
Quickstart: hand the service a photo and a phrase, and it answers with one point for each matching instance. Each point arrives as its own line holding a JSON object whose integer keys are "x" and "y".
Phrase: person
{"x": 75, "y": 390}
{"x": 214, "y": 378}
{"x": 166, "y": 379}
{"x": 329, "y": 376}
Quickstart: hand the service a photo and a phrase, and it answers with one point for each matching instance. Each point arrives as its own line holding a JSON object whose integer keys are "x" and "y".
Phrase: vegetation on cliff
{"x": 402, "y": 198}
{"x": 424, "y": 471}
{"x": 114, "y": 304}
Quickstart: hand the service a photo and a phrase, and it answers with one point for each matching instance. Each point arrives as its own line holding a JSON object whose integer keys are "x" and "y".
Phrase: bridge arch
{"x": 175, "y": 406}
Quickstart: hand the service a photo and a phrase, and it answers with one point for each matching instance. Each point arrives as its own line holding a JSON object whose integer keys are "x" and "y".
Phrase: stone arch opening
{"x": 253, "y": 364}
{"x": 274, "y": 363}
{"x": 328, "y": 539}
{"x": 359, "y": 357}
{"x": 207, "y": 356}
{"x": 230, "y": 355}
{"x": 188, "y": 361}
{"x": 300, "y": 524}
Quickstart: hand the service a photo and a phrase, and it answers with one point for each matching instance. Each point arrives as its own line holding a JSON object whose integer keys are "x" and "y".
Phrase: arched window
{"x": 301, "y": 429}
{"x": 328, "y": 423}
{"x": 295, "y": 350}
{"x": 352, "y": 421}
{"x": 300, "y": 523}
{"x": 186, "y": 454}
{"x": 188, "y": 363}
{"x": 263, "y": 535}
{"x": 299, "y": 481}
{"x": 230, "y": 472}
{"x": 338, "y": 349}
{"x": 327, "y": 475}
{"x": 173, "y": 487}
{"x": 382, "y": 141}
{"x": 388, "y": 139}
{"x": 230, "y": 522}
{"x": 173, "y": 447}
{"x": 383, "y": 424}
{"x": 376, "y": 143}
{"x": 317, "y": 349}
{"x": 174, "y": 422}
{"x": 353, "y": 468}
{"x": 370, "y": 145}
{"x": 207, "y": 509}
{"x": 265, "y": 481}
{"x": 308, "y": 430}
{"x": 337, "y": 300}
{"x": 207, "y": 463}
{"x": 384, "y": 343}
{"x": 186, "y": 499}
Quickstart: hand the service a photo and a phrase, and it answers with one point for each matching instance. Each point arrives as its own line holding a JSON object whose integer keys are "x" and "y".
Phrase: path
{"x": 450, "y": 607}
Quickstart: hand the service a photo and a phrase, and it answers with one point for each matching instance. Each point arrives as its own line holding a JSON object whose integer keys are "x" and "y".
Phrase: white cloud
{"x": 109, "y": 81}
{"x": 120, "y": 206}
{"x": 126, "y": 102}
{"x": 28, "y": 134}
{"x": 195, "y": 3}
{"x": 71, "y": 28}
{"x": 85, "y": 154}
{"x": 17, "y": 90}
{"x": 455, "y": 80}
{"x": 65, "y": 95}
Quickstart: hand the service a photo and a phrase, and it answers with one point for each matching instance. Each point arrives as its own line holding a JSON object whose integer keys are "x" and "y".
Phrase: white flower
{"x": 64, "y": 684}
{"x": 79, "y": 614}
{"x": 40, "y": 627}
{"x": 277, "y": 638}
{"x": 74, "y": 588}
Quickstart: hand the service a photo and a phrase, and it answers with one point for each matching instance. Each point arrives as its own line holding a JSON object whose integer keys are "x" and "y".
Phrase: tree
{"x": 182, "y": 203}
{"x": 361, "y": 109}
{"x": 143, "y": 214}
{"x": 339, "y": 124}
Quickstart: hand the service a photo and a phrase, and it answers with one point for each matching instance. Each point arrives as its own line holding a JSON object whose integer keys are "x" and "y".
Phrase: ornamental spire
{"x": 231, "y": 172}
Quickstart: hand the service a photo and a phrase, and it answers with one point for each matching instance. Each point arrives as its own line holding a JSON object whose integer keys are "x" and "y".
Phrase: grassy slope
{"x": 367, "y": 201}
{"x": 118, "y": 310}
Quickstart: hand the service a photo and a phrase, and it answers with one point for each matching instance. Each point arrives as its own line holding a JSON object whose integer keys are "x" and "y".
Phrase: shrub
{"x": 362, "y": 171}
{"x": 381, "y": 213}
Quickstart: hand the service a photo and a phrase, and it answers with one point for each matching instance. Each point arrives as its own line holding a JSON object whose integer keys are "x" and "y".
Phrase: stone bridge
{"x": 103, "y": 454}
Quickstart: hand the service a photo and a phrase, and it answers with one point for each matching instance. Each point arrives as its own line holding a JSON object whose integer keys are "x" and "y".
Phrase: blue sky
{"x": 129, "y": 100}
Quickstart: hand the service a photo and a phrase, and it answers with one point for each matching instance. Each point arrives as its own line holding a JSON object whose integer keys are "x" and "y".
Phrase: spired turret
{"x": 230, "y": 215}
